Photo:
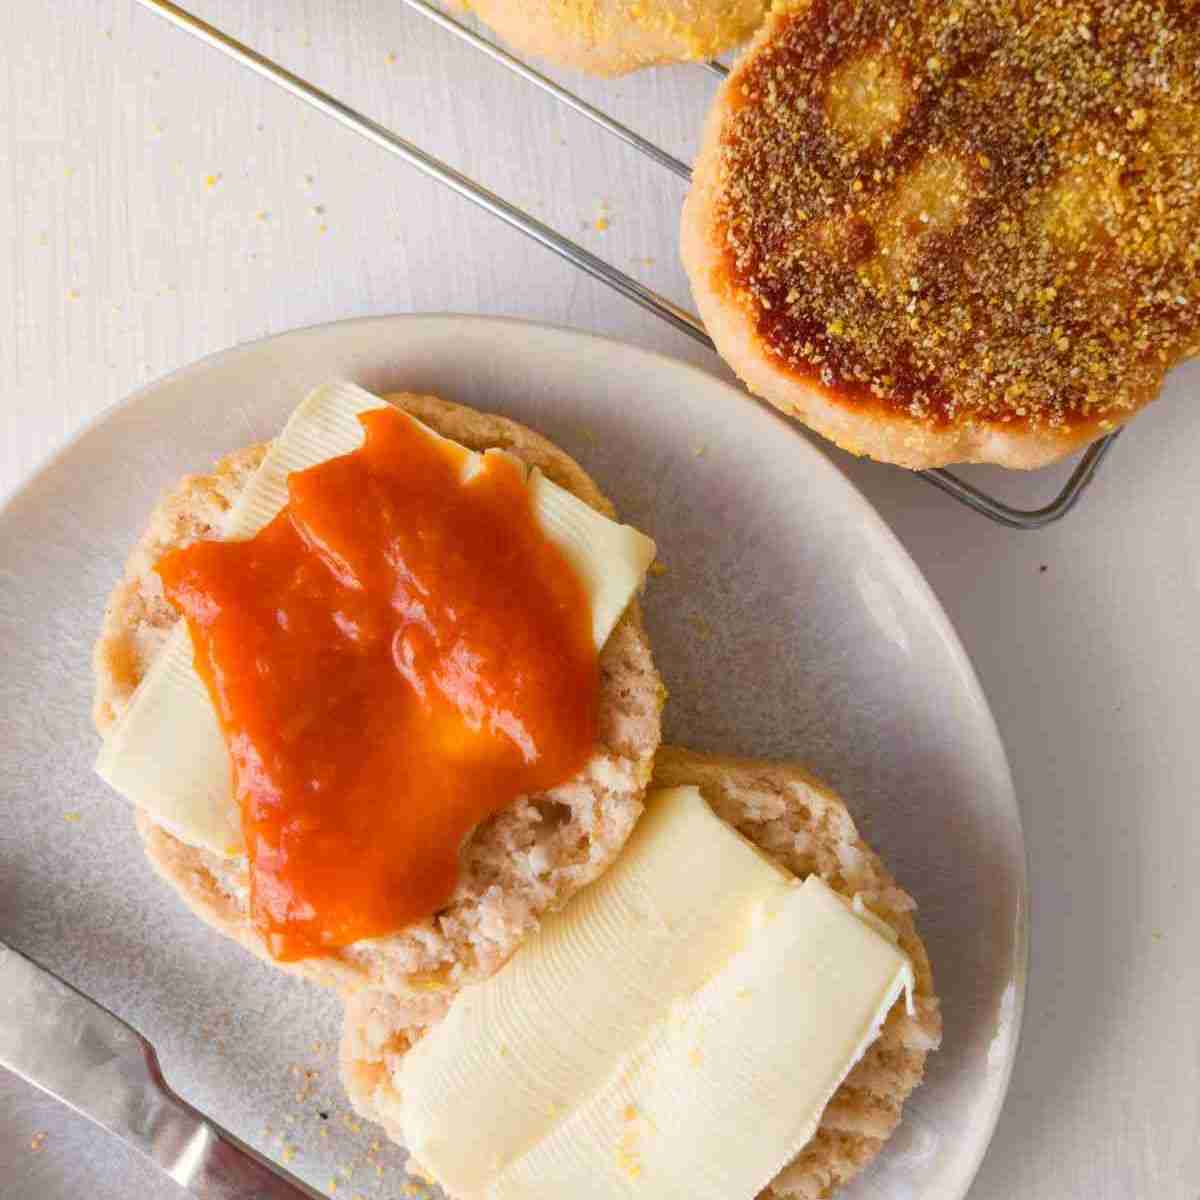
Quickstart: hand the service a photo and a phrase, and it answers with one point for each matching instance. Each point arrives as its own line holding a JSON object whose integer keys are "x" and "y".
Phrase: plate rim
{"x": 21, "y": 490}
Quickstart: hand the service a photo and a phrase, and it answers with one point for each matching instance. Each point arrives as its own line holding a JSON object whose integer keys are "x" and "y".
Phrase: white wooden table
{"x": 158, "y": 204}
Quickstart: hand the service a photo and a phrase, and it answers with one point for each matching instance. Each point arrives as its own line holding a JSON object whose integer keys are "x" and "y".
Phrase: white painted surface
{"x": 118, "y": 263}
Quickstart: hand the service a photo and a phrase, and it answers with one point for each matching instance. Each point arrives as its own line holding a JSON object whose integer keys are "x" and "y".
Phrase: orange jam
{"x": 400, "y": 653}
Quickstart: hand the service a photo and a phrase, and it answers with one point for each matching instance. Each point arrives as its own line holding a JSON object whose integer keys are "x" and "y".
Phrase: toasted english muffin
{"x": 944, "y": 231}
{"x": 527, "y": 859}
{"x": 613, "y": 37}
{"x": 803, "y": 825}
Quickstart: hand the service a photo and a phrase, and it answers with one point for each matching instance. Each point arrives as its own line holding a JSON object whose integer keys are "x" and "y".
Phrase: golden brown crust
{"x": 613, "y": 37}
{"x": 795, "y": 818}
{"x": 941, "y": 232}
{"x": 529, "y": 858}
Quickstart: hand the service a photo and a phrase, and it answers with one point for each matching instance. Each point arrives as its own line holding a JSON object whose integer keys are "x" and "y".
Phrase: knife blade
{"x": 69, "y": 1046}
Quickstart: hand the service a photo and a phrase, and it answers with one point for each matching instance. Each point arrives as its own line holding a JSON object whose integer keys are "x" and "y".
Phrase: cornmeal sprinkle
{"x": 971, "y": 208}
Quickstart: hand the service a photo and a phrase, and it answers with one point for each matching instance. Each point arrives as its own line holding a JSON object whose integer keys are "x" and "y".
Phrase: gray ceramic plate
{"x": 790, "y": 623}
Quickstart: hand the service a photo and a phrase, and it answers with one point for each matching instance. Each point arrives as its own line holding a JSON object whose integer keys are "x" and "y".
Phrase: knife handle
{"x": 206, "y": 1159}
{"x": 76, "y": 1050}
{"x": 227, "y": 1169}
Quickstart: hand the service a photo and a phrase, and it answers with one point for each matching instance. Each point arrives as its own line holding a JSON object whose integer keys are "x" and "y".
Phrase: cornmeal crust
{"x": 944, "y": 231}
{"x": 613, "y": 37}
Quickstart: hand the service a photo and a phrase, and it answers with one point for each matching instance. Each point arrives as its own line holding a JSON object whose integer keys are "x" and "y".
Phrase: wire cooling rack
{"x": 585, "y": 260}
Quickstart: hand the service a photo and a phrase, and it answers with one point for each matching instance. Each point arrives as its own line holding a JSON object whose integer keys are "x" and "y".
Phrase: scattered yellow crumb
{"x": 627, "y": 1160}
{"x": 211, "y": 181}
{"x": 391, "y": 56}
{"x": 289, "y": 1152}
{"x": 700, "y": 450}
{"x": 72, "y": 293}
{"x": 695, "y": 1057}
{"x": 71, "y": 816}
{"x": 429, "y": 981}
{"x": 262, "y": 215}
{"x": 600, "y": 224}
{"x": 38, "y": 1141}
{"x": 627, "y": 1156}
{"x": 322, "y": 228}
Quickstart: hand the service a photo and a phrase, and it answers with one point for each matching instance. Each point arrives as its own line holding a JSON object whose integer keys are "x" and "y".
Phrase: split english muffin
{"x": 807, "y": 830}
{"x": 614, "y": 37}
{"x": 954, "y": 232}
{"x": 522, "y": 862}
{"x": 395, "y": 618}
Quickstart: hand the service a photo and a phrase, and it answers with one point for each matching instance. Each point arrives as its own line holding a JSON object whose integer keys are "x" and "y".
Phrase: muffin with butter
{"x": 380, "y": 691}
{"x": 739, "y": 1007}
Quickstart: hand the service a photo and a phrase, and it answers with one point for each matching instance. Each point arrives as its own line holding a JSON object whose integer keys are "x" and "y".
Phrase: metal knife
{"x": 67, "y": 1045}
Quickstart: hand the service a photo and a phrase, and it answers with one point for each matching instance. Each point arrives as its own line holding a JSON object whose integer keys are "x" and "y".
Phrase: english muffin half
{"x": 964, "y": 231}
{"x": 529, "y": 858}
{"x": 614, "y": 37}
{"x": 805, "y": 827}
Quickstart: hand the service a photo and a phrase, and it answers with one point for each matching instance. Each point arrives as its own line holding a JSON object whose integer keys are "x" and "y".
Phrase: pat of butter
{"x": 676, "y": 1031}
{"x": 166, "y": 753}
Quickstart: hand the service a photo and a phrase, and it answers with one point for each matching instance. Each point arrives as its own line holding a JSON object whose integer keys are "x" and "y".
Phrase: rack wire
{"x": 663, "y": 308}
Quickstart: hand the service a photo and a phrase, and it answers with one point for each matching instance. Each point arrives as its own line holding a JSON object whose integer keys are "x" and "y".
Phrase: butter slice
{"x": 166, "y": 753}
{"x": 676, "y": 1031}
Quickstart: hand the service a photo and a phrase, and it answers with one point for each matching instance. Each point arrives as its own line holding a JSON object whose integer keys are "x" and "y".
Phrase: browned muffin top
{"x": 959, "y": 209}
